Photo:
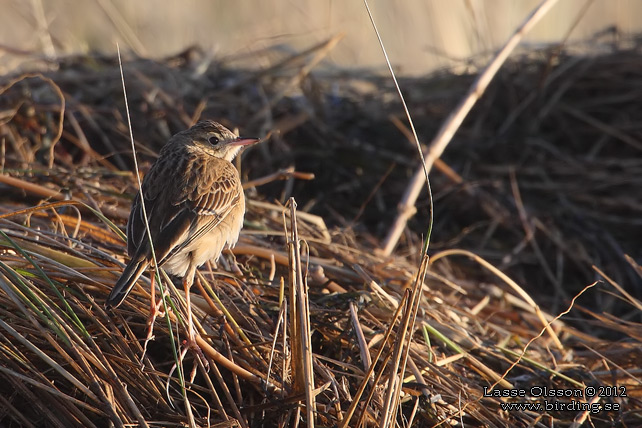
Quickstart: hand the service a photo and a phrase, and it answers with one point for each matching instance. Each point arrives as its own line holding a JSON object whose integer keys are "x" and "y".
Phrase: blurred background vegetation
{"x": 420, "y": 35}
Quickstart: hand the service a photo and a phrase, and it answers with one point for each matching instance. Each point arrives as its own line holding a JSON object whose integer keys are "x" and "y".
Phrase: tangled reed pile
{"x": 539, "y": 191}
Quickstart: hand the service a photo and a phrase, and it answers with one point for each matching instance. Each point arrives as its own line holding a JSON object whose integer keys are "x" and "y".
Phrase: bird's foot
{"x": 154, "y": 312}
{"x": 191, "y": 344}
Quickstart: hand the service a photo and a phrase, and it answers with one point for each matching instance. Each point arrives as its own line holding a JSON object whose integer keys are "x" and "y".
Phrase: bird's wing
{"x": 158, "y": 177}
{"x": 191, "y": 200}
{"x": 211, "y": 194}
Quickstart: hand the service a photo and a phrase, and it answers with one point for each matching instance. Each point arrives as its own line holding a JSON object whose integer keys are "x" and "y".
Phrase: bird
{"x": 194, "y": 204}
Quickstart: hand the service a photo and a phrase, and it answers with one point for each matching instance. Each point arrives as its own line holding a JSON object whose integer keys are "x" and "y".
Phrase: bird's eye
{"x": 213, "y": 140}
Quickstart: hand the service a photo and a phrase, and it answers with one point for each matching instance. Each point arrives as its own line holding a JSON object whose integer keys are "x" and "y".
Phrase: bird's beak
{"x": 242, "y": 141}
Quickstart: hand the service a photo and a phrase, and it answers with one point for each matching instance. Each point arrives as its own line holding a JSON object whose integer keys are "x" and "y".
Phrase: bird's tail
{"x": 126, "y": 282}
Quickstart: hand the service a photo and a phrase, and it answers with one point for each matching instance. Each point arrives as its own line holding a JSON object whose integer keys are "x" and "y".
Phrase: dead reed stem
{"x": 406, "y": 206}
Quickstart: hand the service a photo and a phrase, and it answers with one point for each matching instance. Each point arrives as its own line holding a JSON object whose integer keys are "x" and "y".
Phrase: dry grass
{"x": 541, "y": 183}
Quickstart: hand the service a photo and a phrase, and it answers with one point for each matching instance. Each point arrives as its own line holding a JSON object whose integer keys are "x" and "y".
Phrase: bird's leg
{"x": 154, "y": 312}
{"x": 155, "y": 308}
{"x": 190, "y": 342}
{"x": 188, "y": 280}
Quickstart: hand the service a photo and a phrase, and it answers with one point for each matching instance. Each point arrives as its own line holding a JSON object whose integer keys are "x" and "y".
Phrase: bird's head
{"x": 217, "y": 140}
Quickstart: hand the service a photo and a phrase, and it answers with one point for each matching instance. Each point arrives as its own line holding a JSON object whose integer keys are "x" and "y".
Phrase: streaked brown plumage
{"x": 194, "y": 202}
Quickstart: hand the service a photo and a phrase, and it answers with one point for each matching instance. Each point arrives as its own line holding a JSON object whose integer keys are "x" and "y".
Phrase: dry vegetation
{"x": 542, "y": 181}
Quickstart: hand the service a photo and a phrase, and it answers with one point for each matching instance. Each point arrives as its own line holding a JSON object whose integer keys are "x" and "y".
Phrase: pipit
{"x": 195, "y": 206}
